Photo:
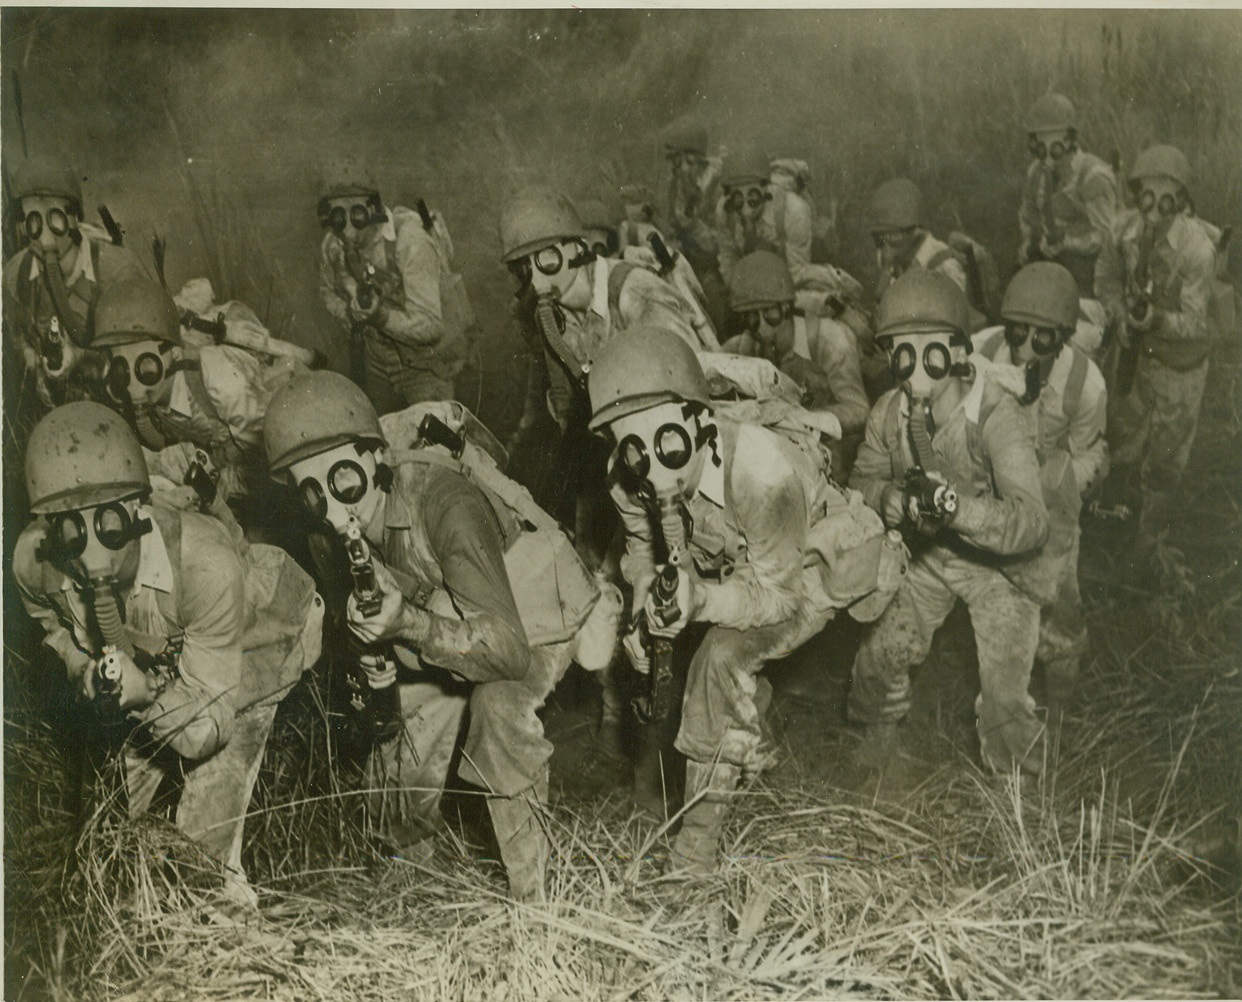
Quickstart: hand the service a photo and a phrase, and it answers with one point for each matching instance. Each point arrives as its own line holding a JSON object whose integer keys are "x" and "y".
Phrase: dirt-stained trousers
{"x": 1063, "y": 636}
{"x": 1006, "y": 625}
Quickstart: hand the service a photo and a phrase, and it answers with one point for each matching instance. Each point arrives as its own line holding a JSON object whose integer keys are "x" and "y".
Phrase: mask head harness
{"x": 112, "y": 524}
{"x": 149, "y": 369}
{"x": 937, "y": 358}
{"x": 672, "y": 445}
{"x": 1057, "y": 149}
{"x": 549, "y": 261}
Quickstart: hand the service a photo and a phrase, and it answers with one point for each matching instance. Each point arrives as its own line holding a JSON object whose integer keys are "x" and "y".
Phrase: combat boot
{"x": 709, "y": 791}
{"x": 524, "y": 845}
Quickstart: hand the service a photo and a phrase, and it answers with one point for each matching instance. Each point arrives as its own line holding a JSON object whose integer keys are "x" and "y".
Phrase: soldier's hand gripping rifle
{"x": 52, "y": 347}
{"x": 379, "y": 709}
{"x": 657, "y": 703}
{"x": 929, "y": 504}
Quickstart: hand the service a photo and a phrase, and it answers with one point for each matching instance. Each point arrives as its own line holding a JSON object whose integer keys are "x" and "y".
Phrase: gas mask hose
{"x": 107, "y": 609}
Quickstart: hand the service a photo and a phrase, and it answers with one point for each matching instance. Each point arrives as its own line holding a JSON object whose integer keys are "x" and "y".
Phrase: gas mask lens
{"x": 347, "y": 481}
{"x": 1042, "y": 151}
{"x": 673, "y": 450}
{"x": 1043, "y": 339}
{"x": 148, "y": 368}
{"x": 358, "y": 216}
{"x": 118, "y": 379}
{"x": 57, "y": 222}
{"x": 893, "y": 239}
{"x": 1166, "y": 204}
{"x": 937, "y": 361}
{"x": 113, "y": 524}
{"x": 770, "y": 315}
{"x": 752, "y": 197}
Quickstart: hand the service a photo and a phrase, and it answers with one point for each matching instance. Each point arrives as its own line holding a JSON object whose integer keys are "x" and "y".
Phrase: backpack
{"x": 552, "y": 588}
{"x": 860, "y": 566}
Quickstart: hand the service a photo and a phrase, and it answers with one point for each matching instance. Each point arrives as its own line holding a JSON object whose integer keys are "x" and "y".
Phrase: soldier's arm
{"x": 417, "y": 319}
{"x": 727, "y": 253}
{"x": 1015, "y": 519}
{"x": 1087, "y": 446}
{"x": 1188, "y": 320}
{"x": 835, "y": 352}
{"x": 1030, "y": 222}
{"x": 952, "y": 268}
{"x": 638, "y": 563}
{"x": 647, "y": 298}
{"x": 234, "y": 383}
{"x": 1099, "y": 198}
{"x": 771, "y": 512}
{"x": 331, "y": 284}
{"x": 489, "y": 642}
{"x": 873, "y": 469}
{"x": 798, "y": 237}
{"x": 194, "y": 715}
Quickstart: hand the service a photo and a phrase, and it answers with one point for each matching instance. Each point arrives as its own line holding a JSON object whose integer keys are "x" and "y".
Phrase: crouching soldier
{"x": 1041, "y": 312}
{"x": 817, "y": 353}
{"x": 211, "y": 399}
{"x": 953, "y": 466}
{"x": 164, "y": 620}
{"x": 438, "y": 618}
{"x": 727, "y": 524}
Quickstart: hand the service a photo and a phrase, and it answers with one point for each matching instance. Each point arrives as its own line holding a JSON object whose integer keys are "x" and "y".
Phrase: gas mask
{"x": 140, "y": 373}
{"x": 1031, "y": 344}
{"x": 1052, "y": 145}
{"x": 351, "y": 215}
{"x": 922, "y": 362}
{"x": 894, "y": 249}
{"x": 346, "y": 481}
{"x": 772, "y": 328}
{"x": 552, "y": 270}
{"x": 89, "y": 544}
{"x": 1159, "y": 200}
{"x": 747, "y": 203}
{"x": 50, "y": 225}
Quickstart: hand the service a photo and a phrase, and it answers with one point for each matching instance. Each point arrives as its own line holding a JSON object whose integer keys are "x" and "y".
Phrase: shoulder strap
{"x": 778, "y": 215}
{"x": 618, "y": 272}
{"x": 1076, "y": 380}
{"x": 25, "y": 287}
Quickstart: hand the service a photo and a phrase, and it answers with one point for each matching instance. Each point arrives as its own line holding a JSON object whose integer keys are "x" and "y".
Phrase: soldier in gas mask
{"x": 1041, "y": 312}
{"x": 169, "y": 625}
{"x": 52, "y": 284}
{"x": 386, "y": 275}
{"x": 952, "y": 465}
{"x": 719, "y": 520}
{"x": 1070, "y": 195}
{"x": 184, "y": 401}
{"x": 1155, "y": 279}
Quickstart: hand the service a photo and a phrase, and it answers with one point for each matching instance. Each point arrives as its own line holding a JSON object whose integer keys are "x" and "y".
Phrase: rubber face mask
{"x": 748, "y": 202}
{"x": 772, "y": 327}
{"x": 93, "y": 541}
{"x": 140, "y": 371}
{"x": 337, "y": 484}
{"x": 350, "y": 216}
{"x": 48, "y": 224}
{"x": 1049, "y": 145}
{"x": 894, "y": 249}
{"x": 658, "y": 445}
{"x": 920, "y": 362}
{"x": 553, "y": 269}
{"x": 1158, "y": 201}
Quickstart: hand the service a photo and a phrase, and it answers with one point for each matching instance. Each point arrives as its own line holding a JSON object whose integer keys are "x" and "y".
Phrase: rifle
{"x": 974, "y": 279}
{"x": 668, "y": 271}
{"x": 252, "y": 340}
{"x": 657, "y": 703}
{"x": 112, "y": 226}
{"x": 198, "y": 476}
{"x": 425, "y": 215}
{"x": 52, "y": 346}
{"x": 108, "y": 683}
{"x": 379, "y": 709}
{"x": 1051, "y": 232}
{"x": 1138, "y": 308}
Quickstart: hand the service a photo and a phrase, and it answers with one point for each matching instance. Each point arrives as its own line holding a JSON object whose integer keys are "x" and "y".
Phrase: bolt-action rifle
{"x": 380, "y": 709}
{"x": 668, "y": 271}
{"x": 1138, "y": 309}
{"x": 52, "y": 346}
{"x": 656, "y": 704}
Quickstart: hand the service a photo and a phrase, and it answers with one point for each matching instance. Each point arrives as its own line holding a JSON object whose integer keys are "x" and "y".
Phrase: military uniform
{"x": 235, "y": 627}
{"x": 1154, "y": 424}
{"x": 990, "y": 557}
{"x": 1073, "y": 456}
{"x": 422, "y": 340}
{"x": 933, "y": 255}
{"x": 1078, "y": 196}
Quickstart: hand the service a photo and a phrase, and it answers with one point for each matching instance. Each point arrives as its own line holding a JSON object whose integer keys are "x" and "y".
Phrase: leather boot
{"x": 694, "y": 851}
{"x": 524, "y": 846}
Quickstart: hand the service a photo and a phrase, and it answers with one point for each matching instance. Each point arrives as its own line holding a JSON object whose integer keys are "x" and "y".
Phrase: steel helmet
{"x": 895, "y": 205}
{"x": 1161, "y": 161}
{"x": 345, "y": 177}
{"x": 745, "y": 171}
{"x": 686, "y": 137}
{"x": 760, "y": 279}
{"x": 137, "y": 309}
{"x": 1043, "y": 293}
{"x": 315, "y": 413}
{"x": 1051, "y": 112}
{"x": 535, "y": 217}
{"x": 81, "y": 455}
{"x": 645, "y": 366}
{"x": 40, "y": 175}
{"x": 921, "y": 302}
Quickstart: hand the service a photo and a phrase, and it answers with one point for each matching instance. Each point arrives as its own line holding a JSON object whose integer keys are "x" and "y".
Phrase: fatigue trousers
{"x": 505, "y": 753}
{"x": 1154, "y": 424}
{"x": 724, "y": 695}
{"x": 1063, "y": 636}
{"x": 215, "y": 793}
{"x": 1006, "y": 625}
{"x": 398, "y": 376}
